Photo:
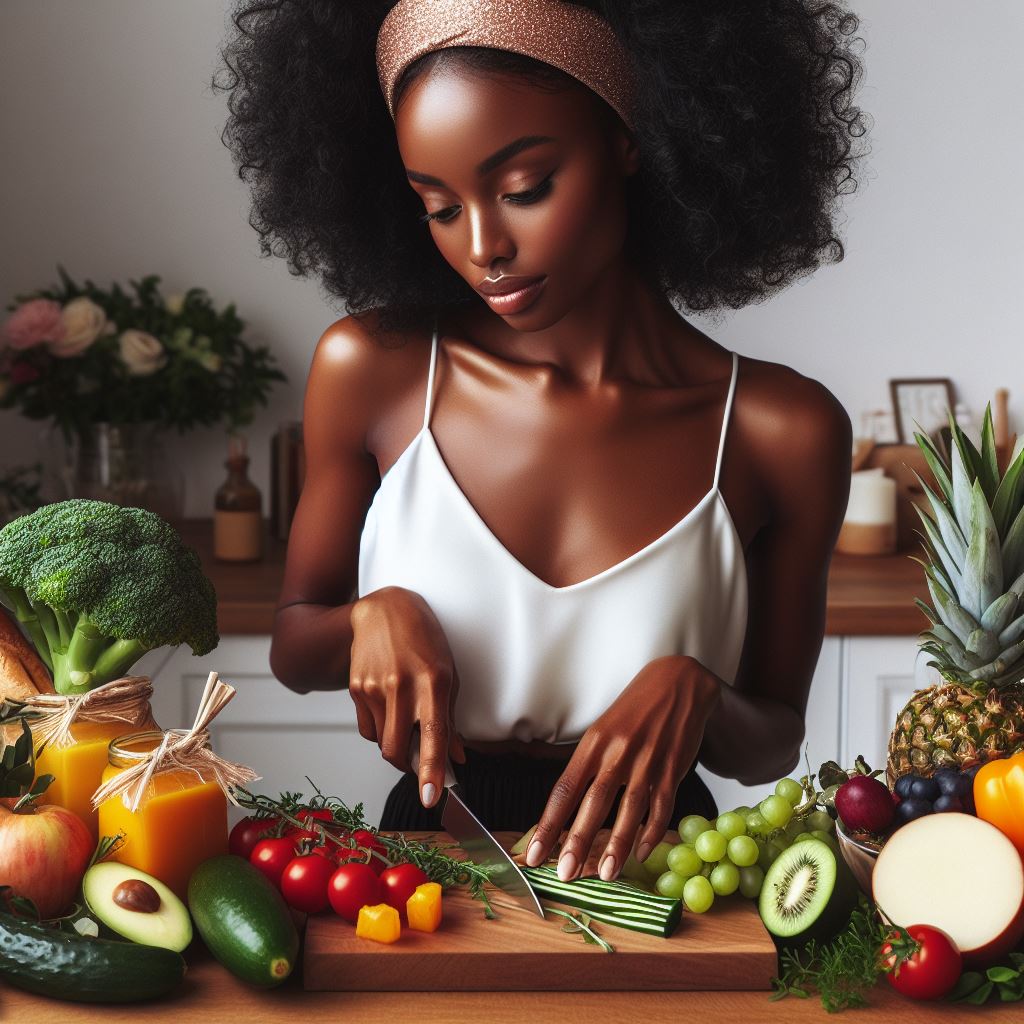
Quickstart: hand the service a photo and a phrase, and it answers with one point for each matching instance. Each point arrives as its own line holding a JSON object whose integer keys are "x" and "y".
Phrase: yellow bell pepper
{"x": 999, "y": 797}
{"x": 379, "y": 923}
{"x": 423, "y": 907}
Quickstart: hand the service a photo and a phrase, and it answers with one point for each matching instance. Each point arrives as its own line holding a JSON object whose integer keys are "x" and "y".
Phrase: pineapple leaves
{"x": 1009, "y": 497}
{"x": 935, "y": 464}
{"x": 956, "y": 618}
{"x": 1013, "y": 548}
{"x": 962, "y": 475}
{"x": 998, "y": 614}
{"x": 982, "y": 576}
{"x": 952, "y": 534}
{"x": 1013, "y": 632}
{"x": 988, "y": 469}
{"x": 940, "y": 552}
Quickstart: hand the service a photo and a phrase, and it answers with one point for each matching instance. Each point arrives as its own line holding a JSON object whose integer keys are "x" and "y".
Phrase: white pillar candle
{"x": 869, "y": 527}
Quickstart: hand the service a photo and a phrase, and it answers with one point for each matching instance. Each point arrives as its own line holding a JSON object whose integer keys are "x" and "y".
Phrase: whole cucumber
{"x": 243, "y": 920}
{"x": 83, "y": 968}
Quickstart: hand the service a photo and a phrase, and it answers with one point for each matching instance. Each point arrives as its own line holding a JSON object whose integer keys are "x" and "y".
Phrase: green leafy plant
{"x": 1006, "y": 982}
{"x": 80, "y": 354}
{"x": 844, "y": 970}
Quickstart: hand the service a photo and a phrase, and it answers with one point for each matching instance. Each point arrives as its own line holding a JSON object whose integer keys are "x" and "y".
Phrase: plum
{"x": 864, "y": 804}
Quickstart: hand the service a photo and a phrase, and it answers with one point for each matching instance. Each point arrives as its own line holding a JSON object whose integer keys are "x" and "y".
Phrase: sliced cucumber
{"x": 615, "y": 903}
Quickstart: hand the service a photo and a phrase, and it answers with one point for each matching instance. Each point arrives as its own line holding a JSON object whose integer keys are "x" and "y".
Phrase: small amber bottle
{"x": 238, "y": 514}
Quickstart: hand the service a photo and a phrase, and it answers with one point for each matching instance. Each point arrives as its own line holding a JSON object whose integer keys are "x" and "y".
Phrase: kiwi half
{"x": 807, "y": 894}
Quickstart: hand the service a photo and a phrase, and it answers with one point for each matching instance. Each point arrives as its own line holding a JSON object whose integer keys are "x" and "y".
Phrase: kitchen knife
{"x": 469, "y": 832}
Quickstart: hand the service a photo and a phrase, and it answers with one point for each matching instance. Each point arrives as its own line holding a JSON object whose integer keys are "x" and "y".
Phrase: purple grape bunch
{"x": 946, "y": 790}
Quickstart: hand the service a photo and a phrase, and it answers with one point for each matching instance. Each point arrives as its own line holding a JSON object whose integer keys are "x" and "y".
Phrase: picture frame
{"x": 921, "y": 399}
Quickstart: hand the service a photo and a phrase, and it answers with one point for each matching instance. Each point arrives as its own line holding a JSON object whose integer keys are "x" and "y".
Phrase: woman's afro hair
{"x": 744, "y": 120}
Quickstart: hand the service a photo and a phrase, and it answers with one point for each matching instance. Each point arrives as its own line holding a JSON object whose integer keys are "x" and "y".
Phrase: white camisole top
{"x": 538, "y": 662}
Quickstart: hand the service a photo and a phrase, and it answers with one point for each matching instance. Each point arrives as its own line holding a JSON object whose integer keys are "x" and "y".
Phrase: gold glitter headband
{"x": 571, "y": 38}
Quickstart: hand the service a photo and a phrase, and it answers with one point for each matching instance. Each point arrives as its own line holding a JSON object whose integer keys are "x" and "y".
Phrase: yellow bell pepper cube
{"x": 379, "y": 923}
{"x": 423, "y": 907}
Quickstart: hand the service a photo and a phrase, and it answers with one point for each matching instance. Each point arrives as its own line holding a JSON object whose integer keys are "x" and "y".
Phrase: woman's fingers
{"x": 595, "y": 807}
{"x": 397, "y": 734}
{"x": 631, "y": 810}
{"x": 434, "y": 711}
{"x": 662, "y": 801}
{"x": 565, "y": 795}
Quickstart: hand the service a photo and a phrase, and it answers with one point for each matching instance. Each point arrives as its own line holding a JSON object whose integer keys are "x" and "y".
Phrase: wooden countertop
{"x": 871, "y": 596}
{"x": 210, "y": 995}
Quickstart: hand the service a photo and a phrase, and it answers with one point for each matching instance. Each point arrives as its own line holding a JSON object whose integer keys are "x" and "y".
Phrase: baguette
{"x": 20, "y": 665}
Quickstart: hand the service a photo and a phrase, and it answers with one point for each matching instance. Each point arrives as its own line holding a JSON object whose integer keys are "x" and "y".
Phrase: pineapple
{"x": 974, "y": 540}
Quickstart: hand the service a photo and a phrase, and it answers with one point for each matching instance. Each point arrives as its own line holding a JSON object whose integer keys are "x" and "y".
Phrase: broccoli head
{"x": 96, "y": 585}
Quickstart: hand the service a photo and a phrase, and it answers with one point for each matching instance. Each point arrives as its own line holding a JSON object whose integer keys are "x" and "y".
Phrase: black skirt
{"x": 508, "y": 793}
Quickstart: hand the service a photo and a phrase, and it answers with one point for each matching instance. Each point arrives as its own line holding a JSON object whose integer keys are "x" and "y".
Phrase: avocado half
{"x": 137, "y": 906}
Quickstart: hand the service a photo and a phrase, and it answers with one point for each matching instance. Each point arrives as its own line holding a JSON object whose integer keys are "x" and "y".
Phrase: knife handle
{"x": 414, "y": 757}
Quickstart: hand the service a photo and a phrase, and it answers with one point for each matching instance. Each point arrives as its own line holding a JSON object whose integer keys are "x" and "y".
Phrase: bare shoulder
{"x": 797, "y": 432}
{"x": 358, "y": 371}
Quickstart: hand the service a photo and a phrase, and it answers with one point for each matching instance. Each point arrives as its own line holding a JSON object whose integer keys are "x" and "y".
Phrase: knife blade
{"x": 475, "y": 838}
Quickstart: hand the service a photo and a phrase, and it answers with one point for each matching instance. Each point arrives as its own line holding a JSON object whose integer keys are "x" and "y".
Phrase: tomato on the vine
{"x": 247, "y": 833}
{"x": 304, "y": 882}
{"x": 272, "y": 856}
{"x": 932, "y": 971}
{"x": 398, "y": 883}
{"x": 351, "y": 887}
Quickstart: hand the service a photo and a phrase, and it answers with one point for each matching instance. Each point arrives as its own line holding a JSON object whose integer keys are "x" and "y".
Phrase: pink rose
{"x": 33, "y": 322}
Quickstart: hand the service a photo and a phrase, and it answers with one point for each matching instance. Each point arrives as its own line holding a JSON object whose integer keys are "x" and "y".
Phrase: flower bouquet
{"x": 111, "y": 369}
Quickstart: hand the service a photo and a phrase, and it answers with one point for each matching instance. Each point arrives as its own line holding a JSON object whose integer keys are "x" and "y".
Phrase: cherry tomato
{"x": 272, "y": 856}
{"x": 313, "y": 820}
{"x": 398, "y": 883}
{"x": 247, "y": 833}
{"x": 932, "y": 971}
{"x": 368, "y": 840}
{"x": 304, "y": 882}
{"x": 307, "y": 815}
{"x": 351, "y": 887}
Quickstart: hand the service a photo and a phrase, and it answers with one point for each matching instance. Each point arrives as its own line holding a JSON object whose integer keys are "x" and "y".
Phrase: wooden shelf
{"x": 869, "y": 596}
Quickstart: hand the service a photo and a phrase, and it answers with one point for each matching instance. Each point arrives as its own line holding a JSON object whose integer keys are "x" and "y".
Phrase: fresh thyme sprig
{"x": 580, "y": 922}
{"x": 429, "y": 857}
{"x": 845, "y": 969}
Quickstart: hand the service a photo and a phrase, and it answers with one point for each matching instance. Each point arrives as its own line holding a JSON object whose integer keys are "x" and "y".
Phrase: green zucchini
{"x": 83, "y": 968}
{"x": 243, "y": 920}
{"x": 612, "y": 902}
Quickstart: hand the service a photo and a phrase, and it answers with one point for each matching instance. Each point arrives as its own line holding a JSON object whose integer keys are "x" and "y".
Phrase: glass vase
{"x": 125, "y": 464}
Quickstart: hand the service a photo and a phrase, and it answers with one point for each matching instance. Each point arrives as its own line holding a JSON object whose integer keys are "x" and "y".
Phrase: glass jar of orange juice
{"x": 75, "y": 752}
{"x": 181, "y": 818}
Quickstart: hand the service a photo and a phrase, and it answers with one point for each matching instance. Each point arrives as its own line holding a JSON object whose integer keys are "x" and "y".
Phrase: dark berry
{"x": 924, "y": 789}
{"x": 903, "y": 784}
{"x": 948, "y": 781}
{"x": 973, "y": 770}
{"x": 912, "y": 808}
{"x": 948, "y": 802}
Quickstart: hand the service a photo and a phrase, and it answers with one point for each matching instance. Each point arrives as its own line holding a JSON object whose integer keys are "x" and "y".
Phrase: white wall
{"x": 112, "y": 165}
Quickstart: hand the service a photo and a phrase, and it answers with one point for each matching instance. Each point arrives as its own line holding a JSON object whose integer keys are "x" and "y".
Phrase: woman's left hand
{"x": 646, "y": 741}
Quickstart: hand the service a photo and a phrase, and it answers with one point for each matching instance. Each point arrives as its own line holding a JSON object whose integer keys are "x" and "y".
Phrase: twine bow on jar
{"x": 182, "y": 750}
{"x": 122, "y": 700}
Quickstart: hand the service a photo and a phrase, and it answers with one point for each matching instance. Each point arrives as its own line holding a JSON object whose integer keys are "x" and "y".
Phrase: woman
{"x": 548, "y": 525}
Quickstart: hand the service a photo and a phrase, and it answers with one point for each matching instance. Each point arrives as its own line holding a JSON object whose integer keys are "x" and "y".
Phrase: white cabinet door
{"x": 879, "y": 675}
{"x": 285, "y": 736}
{"x": 821, "y": 737}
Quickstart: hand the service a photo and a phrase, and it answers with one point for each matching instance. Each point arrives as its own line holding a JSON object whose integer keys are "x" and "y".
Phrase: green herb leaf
{"x": 980, "y": 995}
{"x": 1002, "y": 974}
{"x": 969, "y": 981}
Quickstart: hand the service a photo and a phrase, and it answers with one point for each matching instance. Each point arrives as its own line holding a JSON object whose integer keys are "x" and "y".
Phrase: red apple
{"x": 44, "y": 852}
{"x": 864, "y": 804}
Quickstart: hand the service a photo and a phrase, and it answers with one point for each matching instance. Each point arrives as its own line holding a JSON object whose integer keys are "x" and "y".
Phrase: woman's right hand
{"x": 401, "y": 673}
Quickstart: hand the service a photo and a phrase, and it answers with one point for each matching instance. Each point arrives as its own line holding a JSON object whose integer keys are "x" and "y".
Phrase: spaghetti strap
{"x": 725, "y": 419}
{"x": 430, "y": 377}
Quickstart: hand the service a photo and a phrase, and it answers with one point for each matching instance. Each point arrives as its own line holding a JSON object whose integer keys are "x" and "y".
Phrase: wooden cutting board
{"x": 725, "y": 949}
